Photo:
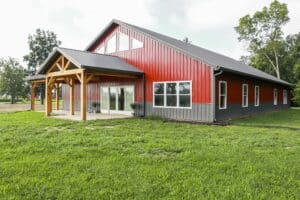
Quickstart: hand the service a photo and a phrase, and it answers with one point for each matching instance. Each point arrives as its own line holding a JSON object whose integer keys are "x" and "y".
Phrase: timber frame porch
{"x": 67, "y": 70}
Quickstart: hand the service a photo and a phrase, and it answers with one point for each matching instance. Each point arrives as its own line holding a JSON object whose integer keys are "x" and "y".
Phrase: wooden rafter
{"x": 67, "y": 65}
{"x": 89, "y": 78}
{"x": 78, "y": 77}
{"x": 65, "y": 73}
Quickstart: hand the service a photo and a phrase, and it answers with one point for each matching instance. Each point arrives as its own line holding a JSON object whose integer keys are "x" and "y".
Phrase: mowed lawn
{"x": 45, "y": 158}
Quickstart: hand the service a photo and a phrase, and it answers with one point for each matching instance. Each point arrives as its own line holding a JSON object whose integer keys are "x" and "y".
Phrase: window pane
{"x": 222, "y": 89}
{"x": 245, "y": 89}
{"x": 222, "y": 101}
{"x": 124, "y": 42}
{"x": 113, "y": 99}
{"x": 136, "y": 44}
{"x": 128, "y": 97}
{"x": 101, "y": 50}
{"x": 159, "y": 100}
{"x": 171, "y": 88}
{"x": 185, "y": 88}
{"x": 158, "y": 88}
{"x": 244, "y": 101}
{"x": 111, "y": 45}
{"x": 104, "y": 98}
{"x": 172, "y": 100}
{"x": 185, "y": 101}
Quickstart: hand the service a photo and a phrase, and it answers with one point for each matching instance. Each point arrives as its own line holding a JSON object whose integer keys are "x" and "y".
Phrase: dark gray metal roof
{"x": 89, "y": 60}
{"x": 214, "y": 59}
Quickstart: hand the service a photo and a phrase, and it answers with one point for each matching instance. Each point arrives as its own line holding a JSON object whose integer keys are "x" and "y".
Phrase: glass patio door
{"x": 117, "y": 99}
{"x": 104, "y": 96}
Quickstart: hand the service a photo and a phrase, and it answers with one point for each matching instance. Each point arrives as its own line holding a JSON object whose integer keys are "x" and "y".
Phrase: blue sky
{"x": 207, "y": 23}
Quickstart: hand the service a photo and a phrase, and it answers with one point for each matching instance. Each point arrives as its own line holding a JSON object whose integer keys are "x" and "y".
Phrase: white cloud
{"x": 208, "y": 23}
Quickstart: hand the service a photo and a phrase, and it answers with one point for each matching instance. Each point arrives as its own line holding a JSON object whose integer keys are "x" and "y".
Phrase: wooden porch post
{"x": 50, "y": 97}
{"x": 57, "y": 96}
{"x": 32, "y": 96}
{"x": 47, "y": 110}
{"x": 71, "y": 103}
{"x": 83, "y": 96}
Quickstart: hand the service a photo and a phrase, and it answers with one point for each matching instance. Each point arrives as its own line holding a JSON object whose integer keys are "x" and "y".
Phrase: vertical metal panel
{"x": 163, "y": 63}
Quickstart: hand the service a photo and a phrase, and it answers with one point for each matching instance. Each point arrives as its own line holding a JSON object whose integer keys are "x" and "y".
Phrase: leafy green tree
{"x": 292, "y": 58}
{"x": 296, "y": 97}
{"x": 264, "y": 35}
{"x": 12, "y": 81}
{"x": 41, "y": 44}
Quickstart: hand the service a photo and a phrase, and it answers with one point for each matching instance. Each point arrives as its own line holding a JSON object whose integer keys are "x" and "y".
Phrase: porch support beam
{"x": 71, "y": 103}
{"x": 48, "y": 92}
{"x": 32, "y": 96}
{"x": 83, "y": 96}
{"x": 57, "y": 96}
{"x": 65, "y": 73}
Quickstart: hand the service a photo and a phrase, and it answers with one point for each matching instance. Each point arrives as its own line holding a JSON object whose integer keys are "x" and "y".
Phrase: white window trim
{"x": 275, "y": 100}
{"x": 245, "y": 106}
{"x": 284, "y": 97}
{"x": 225, "y": 107}
{"x": 256, "y": 104}
{"x": 177, "y": 94}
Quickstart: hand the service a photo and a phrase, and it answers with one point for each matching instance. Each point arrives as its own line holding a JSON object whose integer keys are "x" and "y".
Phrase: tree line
{"x": 12, "y": 73}
{"x": 262, "y": 32}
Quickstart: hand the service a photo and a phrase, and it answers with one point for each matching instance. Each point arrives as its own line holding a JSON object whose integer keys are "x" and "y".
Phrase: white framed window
{"x": 275, "y": 95}
{"x": 101, "y": 50}
{"x": 245, "y": 95}
{"x": 222, "y": 94}
{"x": 256, "y": 95}
{"x": 172, "y": 94}
{"x": 136, "y": 44}
{"x": 123, "y": 42}
{"x": 284, "y": 96}
{"x": 111, "y": 45}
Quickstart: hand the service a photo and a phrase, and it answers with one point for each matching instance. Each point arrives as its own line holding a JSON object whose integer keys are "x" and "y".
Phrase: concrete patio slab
{"x": 90, "y": 116}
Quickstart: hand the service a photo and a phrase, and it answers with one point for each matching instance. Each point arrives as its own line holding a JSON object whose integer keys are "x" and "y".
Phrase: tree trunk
{"x": 277, "y": 64}
{"x": 12, "y": 99}
{"x": 275, "y": 67}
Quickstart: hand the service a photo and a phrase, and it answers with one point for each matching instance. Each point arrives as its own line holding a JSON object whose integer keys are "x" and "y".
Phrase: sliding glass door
{"x": 117, "y": 99}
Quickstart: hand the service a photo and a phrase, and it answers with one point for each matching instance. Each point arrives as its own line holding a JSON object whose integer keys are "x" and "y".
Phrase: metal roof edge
{"x": 282, "y": 82}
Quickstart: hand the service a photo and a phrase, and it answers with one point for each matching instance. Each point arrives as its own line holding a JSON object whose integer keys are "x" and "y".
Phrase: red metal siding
{"x": 163, "y": 63}
{"x": 234, "y": 89}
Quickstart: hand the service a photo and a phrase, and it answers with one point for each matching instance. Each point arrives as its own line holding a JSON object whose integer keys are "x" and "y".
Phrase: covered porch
{"x": 77, "y": 72}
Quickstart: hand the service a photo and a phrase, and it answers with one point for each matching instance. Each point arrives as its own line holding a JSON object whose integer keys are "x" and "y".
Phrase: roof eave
{"x": 100, "y": 69}
{"x": 257, "y": 77}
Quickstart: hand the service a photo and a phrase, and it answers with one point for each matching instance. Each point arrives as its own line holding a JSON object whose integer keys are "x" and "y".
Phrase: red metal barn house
{"x": 164, "y": 76}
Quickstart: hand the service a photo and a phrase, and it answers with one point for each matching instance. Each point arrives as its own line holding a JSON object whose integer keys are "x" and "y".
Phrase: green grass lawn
{"x": 45, "y": 158}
